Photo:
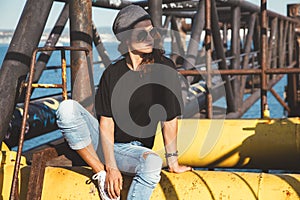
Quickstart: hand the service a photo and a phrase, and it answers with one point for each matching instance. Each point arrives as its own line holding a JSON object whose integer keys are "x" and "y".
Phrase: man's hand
{"x": 180, "y": 169}
{"x": 175, "y": 167}
{"x": 113, "y": 182}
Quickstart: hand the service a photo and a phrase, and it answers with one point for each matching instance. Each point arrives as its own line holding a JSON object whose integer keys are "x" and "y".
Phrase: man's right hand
{"x": 113, "y": 182}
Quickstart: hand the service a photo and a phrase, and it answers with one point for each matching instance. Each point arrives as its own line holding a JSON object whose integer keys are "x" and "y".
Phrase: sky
{"x": 10, "y": 12}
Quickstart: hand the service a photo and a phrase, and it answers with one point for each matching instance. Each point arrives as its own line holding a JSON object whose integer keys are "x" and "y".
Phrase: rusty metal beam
{"x": 177, "y": 46}
{"x": 155, "y": 11}
{"x": 287, "y": 70}
{"x": 284, "y": 44}
{"x": 256, "y": 35}
{"x": 219, "y": 48}
{"x": 291, "y": 42}
{"x": 181, "y": 14}
{"x": 100, "y": 47}
{"x": 273, "y": 43}
{"x": 167, "y": 22}
{"x": 280, "y": 43}
{"x": 292, "y": 78}
{"x": 263, "y": 54}
{"x": 236, "y": 50}
{"x": 292, "y": 95}
{"x": 17, "y": 59}
{"x": 247, "y": 50}
{"x": 278, "y": 98}
{"x": 193, "y": 46}
{"x": 225, "y": 34}
{"x": 208, "y": 46}
{"x": 81, "y": 64}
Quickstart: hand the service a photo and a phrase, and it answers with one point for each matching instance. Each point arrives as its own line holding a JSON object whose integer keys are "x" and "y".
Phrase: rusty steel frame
{"x": 268, "y": 58}
{"x": 16, "y": 63}
{"x": 29, "y": 85}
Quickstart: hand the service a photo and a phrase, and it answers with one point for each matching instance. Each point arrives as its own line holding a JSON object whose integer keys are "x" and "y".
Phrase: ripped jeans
{"x": 80, "y": 129}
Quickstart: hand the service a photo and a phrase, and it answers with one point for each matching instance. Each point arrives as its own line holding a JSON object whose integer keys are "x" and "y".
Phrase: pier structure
{"x": 245, "y": 40}
{"x": 248, "y": 46}
{"x": 243, "y": 43}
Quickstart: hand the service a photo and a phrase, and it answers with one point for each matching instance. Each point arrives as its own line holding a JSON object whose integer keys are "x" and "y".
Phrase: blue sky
{"x": 10, "y": 12}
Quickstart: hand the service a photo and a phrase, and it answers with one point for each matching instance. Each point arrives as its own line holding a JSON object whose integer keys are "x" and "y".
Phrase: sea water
{"x": 51, "y": 76}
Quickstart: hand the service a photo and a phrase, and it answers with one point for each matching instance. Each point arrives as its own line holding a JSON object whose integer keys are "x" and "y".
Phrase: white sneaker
{"x": 100, "y": 177}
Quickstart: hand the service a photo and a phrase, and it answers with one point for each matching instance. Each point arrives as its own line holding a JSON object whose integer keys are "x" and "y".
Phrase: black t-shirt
{"x": 138, "y": 100}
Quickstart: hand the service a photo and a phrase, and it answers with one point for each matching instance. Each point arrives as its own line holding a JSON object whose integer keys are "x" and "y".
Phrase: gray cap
{"x": 127, "y": 18}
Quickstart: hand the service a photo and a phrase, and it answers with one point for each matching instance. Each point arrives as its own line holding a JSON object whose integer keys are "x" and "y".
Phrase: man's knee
{"x": 153, "y": 163}
{"x": 66, "y": 110}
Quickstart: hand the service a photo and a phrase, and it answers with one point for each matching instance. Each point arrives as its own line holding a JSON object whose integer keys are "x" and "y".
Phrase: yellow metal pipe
{"x": 246, "y": 143}
{"x": 63, "y": 183}
{"x": 74, "y": 184}
{"x": 268, "y": 143}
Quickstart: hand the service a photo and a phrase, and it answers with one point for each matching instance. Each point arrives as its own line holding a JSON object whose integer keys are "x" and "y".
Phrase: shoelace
{"x": 100, "y": 177}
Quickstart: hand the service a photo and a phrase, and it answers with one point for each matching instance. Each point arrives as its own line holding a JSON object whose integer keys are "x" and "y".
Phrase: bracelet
{"x": 167, "y": 155}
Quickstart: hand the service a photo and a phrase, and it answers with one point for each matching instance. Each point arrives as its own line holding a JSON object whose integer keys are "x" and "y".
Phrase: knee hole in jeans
{"x": 152, "y": 159}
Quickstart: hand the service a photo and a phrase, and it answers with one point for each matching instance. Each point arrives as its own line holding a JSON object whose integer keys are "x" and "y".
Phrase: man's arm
{"x": 113, "y": 180}
{"x": 169, "y": 130}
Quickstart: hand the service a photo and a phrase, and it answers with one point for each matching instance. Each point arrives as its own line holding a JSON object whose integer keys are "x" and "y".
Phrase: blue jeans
{"x": 80, "y": 129}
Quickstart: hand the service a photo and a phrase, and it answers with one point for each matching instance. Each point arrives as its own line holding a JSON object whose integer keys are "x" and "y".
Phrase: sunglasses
{"x": 143, "y": 34}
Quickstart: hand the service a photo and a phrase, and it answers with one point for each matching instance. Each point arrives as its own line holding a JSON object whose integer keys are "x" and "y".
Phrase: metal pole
{"x": 247, "y": 51}
{"x": 278, "y": 98}
{"x": 177, "y": 46}
{"x": 291, "y": 43}
{"x": 292, "y": 79}
{"x": 280, "y": 43}
{"x": 225, "y": 32}
{"x": 235, "y": 47}
{"x": 197, "y": 28}
{"x": 81, "y": 36}
{"x": 263, "y": 55}
{"x": 284, "y": 44}
{"x": 273, "y": 43}
{"x": 155, "y": 11}
{"x": 230, "y": 99}
{"x": 209, "y": 112}
{"x": 17, "y": 60}
{"x": 64, "y": 74}
{"x": 100, "y": 47}
{"x": 14, "y": 184}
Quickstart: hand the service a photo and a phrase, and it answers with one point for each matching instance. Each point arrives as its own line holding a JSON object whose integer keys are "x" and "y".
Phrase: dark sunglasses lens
{"x": 153, "y": 32}
{"x": 142, "y": 35}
